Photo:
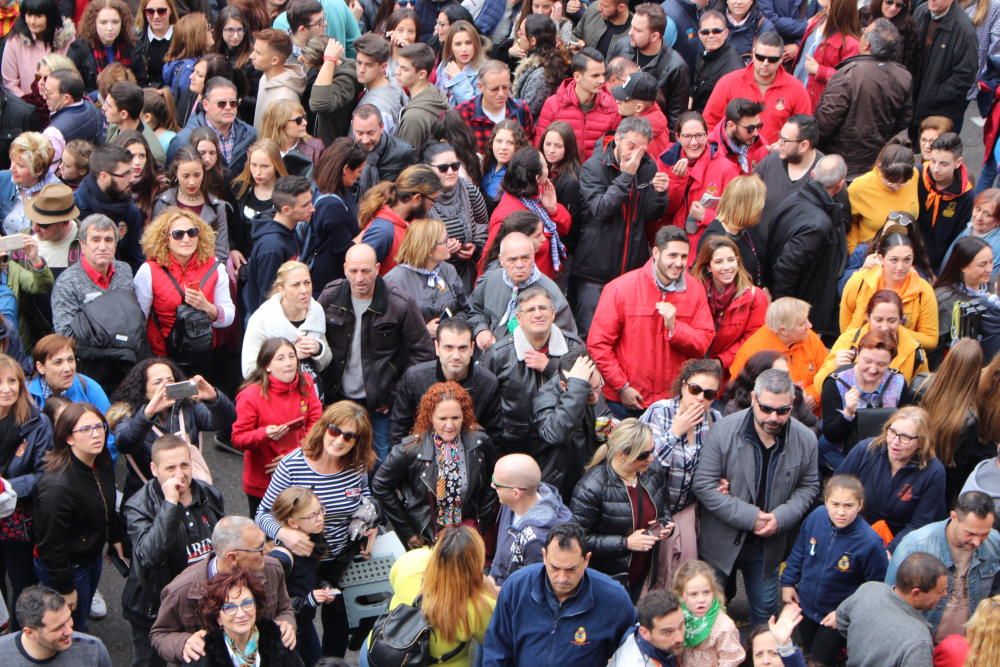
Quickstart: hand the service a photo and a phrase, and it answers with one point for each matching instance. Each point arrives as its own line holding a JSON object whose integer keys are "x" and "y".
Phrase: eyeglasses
{"x": 258, "y": 550}
{"x": 769, "y": 409}
{"x": 336, "y": 431}
{"x": 711, "y": 31}
{"x": 753, "y": 129}
{"x": 644, "y": 456}
{"x": 230, "y": 608}
{"x": 697, "y": 136}
{"x": 159, "y": 11}
{"x": 318, "y": 24}
{"x": 93, "y": 430}
{"x": 448, "y": 166}
{"x": 298, "y": 120}
{"x": 233, "y": 31}
{"x": 904, "y": 438}
{"x": 785, "y": 140}
{"x": 761, "y": 58}
{"x": 121, "y": 175}
{"x": 497, "y": 485}
{"x": 312, "y": 516}
{"x": 895, "y": 3}
{"x": 222, "y": 104}
{"x": 178, "y": 234}
{"x": 698, "y": 390}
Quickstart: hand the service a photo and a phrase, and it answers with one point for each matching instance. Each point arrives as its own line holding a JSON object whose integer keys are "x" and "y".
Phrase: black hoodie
{"x": 273, "y": 245}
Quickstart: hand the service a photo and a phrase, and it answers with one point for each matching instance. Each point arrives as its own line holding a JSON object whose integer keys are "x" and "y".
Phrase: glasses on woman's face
{"x": 312, "y": 516}
{"x": 156, "y": 11}
{"x": 232, "y": 32}
{"x": 100, "y": 428}
{"x": 894, "y": 3}
{"x": 904, "y": 438}
{"x": 644, "y": 456}
{"x": 230, "y": 608}
{"x": 178, "y": 234}
{"x": 448, "y": 166}
{"x": 698, "y": 390}
{"x": 298, "y": 120}
{"x": 337, "y": 432}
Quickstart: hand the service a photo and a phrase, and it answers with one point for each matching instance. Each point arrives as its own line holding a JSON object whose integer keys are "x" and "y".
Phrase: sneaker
{"x": 98, "y": 607}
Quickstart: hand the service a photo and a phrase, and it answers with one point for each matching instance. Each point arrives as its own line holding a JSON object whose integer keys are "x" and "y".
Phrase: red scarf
{"x": 101, "y": 57}
{"x": 719, "y": 301}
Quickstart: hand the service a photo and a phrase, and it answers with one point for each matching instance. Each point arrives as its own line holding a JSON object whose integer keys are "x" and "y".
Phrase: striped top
{"x": 340, "y": 494}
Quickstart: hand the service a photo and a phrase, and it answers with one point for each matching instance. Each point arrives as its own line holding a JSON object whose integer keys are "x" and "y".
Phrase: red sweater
{"x": 166, "y": 298}
{"x": 784, "y": 98}
{"x": 254, "y": 413}
{"x": 630, "y": 343}
{"x": 543, "y": 257}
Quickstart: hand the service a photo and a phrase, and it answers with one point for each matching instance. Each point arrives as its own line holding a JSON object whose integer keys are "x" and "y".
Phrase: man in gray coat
{"x": 768, "y": 461}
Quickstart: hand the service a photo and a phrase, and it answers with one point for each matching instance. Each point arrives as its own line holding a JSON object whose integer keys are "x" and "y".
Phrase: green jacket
{"x": 22, "y": 278}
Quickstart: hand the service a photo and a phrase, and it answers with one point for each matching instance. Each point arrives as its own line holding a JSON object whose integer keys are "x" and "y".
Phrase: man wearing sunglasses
{"x": 763, "y": 81}
{"x": 769, "y": 463}
{"x": 737, "y": 137}
{"x": 413, "y": 67}
{"x": 716, "y": 58}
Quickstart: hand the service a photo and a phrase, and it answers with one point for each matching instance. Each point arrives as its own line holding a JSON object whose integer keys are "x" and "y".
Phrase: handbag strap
{"x": 201, "y": 283}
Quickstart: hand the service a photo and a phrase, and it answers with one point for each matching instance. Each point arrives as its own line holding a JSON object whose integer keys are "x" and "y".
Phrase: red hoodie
{"x": 254, "y": 413}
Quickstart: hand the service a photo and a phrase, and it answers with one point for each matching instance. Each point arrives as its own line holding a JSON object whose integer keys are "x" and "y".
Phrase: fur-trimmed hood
{"x": 64, "y": 35}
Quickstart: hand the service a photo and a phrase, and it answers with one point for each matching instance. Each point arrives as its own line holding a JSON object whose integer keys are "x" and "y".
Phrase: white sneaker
{"x": 98, "y": 607}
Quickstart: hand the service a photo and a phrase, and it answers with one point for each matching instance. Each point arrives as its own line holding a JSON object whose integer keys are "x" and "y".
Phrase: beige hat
{"x": 53, "y": 203}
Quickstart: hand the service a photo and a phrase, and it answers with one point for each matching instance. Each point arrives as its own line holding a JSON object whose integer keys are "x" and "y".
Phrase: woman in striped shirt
{"x": 333, "y": 461}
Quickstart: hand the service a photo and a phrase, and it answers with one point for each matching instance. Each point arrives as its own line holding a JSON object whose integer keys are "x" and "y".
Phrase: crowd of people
{"x": 597, "y": 307}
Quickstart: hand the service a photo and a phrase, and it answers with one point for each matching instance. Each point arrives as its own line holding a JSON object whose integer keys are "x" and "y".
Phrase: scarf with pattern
{"x": 556, "y": 247}
{"x": 508, "y": 317}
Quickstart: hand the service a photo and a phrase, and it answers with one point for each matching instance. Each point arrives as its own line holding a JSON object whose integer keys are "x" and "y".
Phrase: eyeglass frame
{"x": 230, "y": 608}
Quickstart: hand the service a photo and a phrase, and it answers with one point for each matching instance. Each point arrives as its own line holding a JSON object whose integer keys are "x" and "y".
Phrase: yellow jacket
{"x": 871, "y": 203}
{"x": 919, "y": 304}
{"x": 804, "y": 358}
{"x": 910, "y": 357}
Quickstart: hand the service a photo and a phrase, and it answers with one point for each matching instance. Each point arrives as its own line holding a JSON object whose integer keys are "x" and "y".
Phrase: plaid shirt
{"x": 226, "y": 142}
{"x": 678, "y": 457}
{"x": 482, "y": 126}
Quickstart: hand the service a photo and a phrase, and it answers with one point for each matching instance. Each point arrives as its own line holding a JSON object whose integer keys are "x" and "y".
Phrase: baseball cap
{"x": 639, "y": 86}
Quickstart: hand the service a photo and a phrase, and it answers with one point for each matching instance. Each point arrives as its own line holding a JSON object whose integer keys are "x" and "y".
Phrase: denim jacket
{"x": 931, "y": 539}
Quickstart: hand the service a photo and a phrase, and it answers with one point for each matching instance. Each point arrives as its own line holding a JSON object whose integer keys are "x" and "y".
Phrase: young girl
{"x": 300, "y": 509}
{"x": 710, "y": 636}
{"x": 508, "y": 137}
{"x": 159, "y": 113}
{"x": 835, "y": 552}
{"x": 458, "y": 73}
{"x": 400, "y": 31}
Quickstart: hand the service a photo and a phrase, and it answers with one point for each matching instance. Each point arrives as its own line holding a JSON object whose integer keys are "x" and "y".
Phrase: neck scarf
{"x": 719, "y": 301}
{"x": 648, "y": 650}
{"x": 508, "y": 317}
{"x": 886, "y": 394}
{"x": 449, "y": 481}
{"x": 697, "y": 630}
{"x": 248, "y": 656}
{"x": 434, "y": 278}
{"x": 454, "y": 209}
{"x": 740, "y": 150}
{"x": 556, "y": 247}
{"x": 102, "y": 53}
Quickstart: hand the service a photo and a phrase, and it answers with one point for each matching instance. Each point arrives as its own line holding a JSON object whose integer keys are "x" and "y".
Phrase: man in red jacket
{"x": 764, "y": 81}
{"x": 648, "y": 323}
{"x": 737, "y": 136}
{"x": 584, "y": 102}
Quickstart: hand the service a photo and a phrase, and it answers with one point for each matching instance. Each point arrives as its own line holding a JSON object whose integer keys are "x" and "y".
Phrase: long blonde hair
{"x": 244, "y": 181}
{"x": 453, "y": 581}
{"x": 277, "y": 116}
{"x": 983, "y": 634}
{"x": 629, "y": 437}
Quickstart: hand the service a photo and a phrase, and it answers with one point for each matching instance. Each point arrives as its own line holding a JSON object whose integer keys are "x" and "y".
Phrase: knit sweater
{"x": 74, "y": 288}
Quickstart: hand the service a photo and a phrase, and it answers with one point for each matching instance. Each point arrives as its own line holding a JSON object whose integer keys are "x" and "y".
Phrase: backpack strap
{"x": 450, "y": 654}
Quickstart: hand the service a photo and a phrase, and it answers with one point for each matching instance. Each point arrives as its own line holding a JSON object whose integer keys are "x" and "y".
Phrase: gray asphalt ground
{"x": 227, "y": 471}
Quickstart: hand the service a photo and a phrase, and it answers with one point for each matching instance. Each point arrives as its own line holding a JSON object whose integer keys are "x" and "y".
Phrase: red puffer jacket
{"x": 254, "y": 413}
{"x": 831, "y": 51}
{"x": 661, "y": 133}
{"x": 629, "y": 342}
{"x": 589, "y": 127}
{"x": 743, "y": 316}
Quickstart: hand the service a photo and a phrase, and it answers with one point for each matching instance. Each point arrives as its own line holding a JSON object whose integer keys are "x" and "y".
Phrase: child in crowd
{"x": 710, "y": 636}
{"x": 836, "y": 552}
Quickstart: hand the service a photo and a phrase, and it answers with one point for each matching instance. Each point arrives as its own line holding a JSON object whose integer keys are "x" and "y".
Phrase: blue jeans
{"x": 830, "y": 456}
{"x": 363, "y": 654}
{"x": 988, "y": 175}
{"x": 761, "y": 586}
{"x": 307, "y": 641}
{"x": 17, "y": 561}
{"x": 381, "y": 434}
{"x": 85, "y": 580}
{"x": 621, "y": 412}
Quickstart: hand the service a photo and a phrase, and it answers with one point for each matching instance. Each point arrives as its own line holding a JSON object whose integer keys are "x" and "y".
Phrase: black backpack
{"x": 402, "y": 638}
{"x": 189, "y": 342}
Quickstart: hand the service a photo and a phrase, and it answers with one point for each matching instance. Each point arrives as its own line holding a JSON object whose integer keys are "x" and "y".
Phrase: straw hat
{"x": 53, "y": 203}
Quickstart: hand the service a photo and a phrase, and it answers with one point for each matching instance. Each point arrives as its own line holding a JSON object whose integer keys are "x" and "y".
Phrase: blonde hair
{"x": 282, "y": 275}
{"x": 57, "y": 63}
{"x": 244, "y": 181}
{"x": 276, "y": 117}
{"x": 293, "y": 499}
{"x": 742, "y": 202}
{"x": 453, "y": 581}
{"x": 697, "y": 568}
{"x": 629, "y": 437}
{"x": 925, "y": 449}
{"x": 477, "y": 44}
{"x": 982, "y": 631}
{"x": 419, "y": 241}
{"x": 155, "y": 240}
{"x": 34, "y": 149}
{"x": 786, "y": 312}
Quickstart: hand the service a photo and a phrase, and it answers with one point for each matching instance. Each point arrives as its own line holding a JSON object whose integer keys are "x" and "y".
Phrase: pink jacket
{"x": 20, "y": 58}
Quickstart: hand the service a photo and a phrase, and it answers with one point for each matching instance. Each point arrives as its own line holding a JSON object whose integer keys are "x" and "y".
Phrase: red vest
{"x": 166, "y": 298}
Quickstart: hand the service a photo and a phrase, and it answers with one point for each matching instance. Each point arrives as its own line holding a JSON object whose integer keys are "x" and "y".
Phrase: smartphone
{"x": 709, "y": 200}
{"x": 12, "y": 242}
{"x": 655, "y": 529}
{"x": 178, "y": 391}
{"x": 296, "y": 423}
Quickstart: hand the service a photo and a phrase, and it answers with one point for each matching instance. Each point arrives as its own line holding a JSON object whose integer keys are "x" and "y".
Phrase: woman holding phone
{"x": 275, "y": 408}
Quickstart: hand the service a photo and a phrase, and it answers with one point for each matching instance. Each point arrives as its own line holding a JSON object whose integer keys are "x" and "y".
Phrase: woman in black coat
{"x": 621, "y": 503}
{"x": 446, "y": 443}
{"x": 101, "y": 45}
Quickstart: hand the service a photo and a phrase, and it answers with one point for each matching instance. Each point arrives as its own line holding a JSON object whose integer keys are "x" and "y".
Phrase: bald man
{"x": 494, "y": 300}
{"x": 530, "y": 508}
{"x": 376, "y": 332}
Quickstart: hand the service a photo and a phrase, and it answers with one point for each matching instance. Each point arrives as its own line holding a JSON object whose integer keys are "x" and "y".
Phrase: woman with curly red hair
{"x": 106, "y": 37}
{"x": 440, "y": 475}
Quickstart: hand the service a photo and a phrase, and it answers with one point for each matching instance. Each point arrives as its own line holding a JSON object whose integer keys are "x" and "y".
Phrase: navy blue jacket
{"x": 79, "y": 121}
{"x": 530, "y": 627}
{"x": 827, "y": 564}
{"x": 910, "y": 499}
{"x": 685, "y": 16}
{"x": 244, "y": 136}
{"x": 25, "y": 467}
{"x": 273, "y": 245}
{"x": 91, "y": 199}
{"x": 789, "y": 17}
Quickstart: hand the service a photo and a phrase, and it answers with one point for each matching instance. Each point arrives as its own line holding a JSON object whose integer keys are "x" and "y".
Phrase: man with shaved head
{"x": 530, "y": 508}
{"x": 493, "y": 303}
{"x": 376, "y": 332}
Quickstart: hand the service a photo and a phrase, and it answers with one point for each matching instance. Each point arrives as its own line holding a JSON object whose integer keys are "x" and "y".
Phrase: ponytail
{"x": 382, "y": 194}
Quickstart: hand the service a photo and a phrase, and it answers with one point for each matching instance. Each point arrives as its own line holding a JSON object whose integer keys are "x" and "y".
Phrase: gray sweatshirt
{"x": 882, "y": 630}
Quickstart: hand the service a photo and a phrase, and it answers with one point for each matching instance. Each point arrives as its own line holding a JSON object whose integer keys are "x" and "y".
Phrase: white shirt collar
{"x": 150, "y": 36}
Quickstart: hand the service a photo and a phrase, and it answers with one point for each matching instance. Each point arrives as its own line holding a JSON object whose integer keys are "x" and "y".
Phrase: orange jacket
{"x": 804, "y": 359}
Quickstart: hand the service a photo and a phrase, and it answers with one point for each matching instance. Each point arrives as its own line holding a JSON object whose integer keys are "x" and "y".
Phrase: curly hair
{"x": 981, "y": 632}
{"x": 437, "y": 394}
{"x": 33, "y": 149}
{"x": 130, "y": 395}
{"x": 156, "y": 237}
{"x": 520, "y": 140}
{"x": 88, "y": 23}
{"x": 362, "y": 455}
{"x": 217, "y": 591}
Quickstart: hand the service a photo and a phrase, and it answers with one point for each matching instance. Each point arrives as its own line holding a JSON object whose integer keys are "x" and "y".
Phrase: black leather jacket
{"x": 671, "y": 73}
{"x": 601, "y": 506}
{"x": 16, "y": 116}
{"x": 406, "y": 485}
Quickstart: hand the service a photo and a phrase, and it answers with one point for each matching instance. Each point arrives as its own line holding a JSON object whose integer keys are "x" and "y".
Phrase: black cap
{"x": 639, "y": 86}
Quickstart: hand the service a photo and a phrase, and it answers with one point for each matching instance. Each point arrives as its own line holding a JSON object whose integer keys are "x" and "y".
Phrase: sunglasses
{"x": 711, "y": 31}
{"x": 298, "y": 120}
{"x": 178, "y": 234}
{"x": 753, "y": 129}
{"x": 771, "y": 59}
{"x": 644, "y": 456}
{"x": 336, "y": 431}
{"x": 159, "y": 11}
{"x": 698, "y": 390}
{"x": 769, "y": 409}
{"x": 498, "y": 485}
{"x": 448, "y": 166}
{"x": 222, "y": 104}
{"x": 895, "y": 3}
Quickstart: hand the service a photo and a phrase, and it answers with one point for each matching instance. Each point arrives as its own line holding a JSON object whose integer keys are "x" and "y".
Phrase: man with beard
{"x": 658, "y": 639}
{"x": 737, "y": 136}
{"x": 105, "y": 190}
{"x": 387, "y": 155}
{"x": 48, "y": 637}
{"x": 786, "y": 170}
{"x": 770, "y": 462}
